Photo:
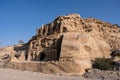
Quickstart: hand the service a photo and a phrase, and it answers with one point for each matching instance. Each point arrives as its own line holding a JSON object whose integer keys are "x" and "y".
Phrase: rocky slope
{"x": 102, "y": 75}
{"x": 72, "y": 42}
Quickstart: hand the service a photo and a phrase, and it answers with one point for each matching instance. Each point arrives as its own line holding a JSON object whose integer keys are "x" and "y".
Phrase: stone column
{"x": 41, "y": 30}
{"x": 51, "y": 28}
{"x": 61, "y": 27}
{"x": 46, "y": 30}
{"x": 29, "y": 56}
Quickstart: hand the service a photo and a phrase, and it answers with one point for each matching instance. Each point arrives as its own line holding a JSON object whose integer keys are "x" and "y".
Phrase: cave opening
{"x": 64, "y": 29}
{"x": 42, "y": 57}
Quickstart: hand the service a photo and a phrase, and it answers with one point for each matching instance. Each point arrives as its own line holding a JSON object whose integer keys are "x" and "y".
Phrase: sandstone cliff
{"x": 73, "y": 37}
{"x": 73, "y": 42}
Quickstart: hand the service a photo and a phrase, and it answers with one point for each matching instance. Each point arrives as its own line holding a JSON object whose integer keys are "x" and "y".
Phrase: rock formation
{"x": 72, "y": 37}
{"x": 72, "y": 40}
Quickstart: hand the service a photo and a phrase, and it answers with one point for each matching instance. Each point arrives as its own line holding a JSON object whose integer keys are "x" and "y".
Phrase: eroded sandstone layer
{"x": 72, "y": 42}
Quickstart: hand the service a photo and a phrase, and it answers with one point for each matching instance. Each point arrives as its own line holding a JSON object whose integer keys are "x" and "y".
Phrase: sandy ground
{"x": 11, "y": 74}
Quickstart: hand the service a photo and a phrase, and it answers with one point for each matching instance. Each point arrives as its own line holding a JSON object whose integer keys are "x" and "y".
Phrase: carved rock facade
{"x": 72, "y": 40}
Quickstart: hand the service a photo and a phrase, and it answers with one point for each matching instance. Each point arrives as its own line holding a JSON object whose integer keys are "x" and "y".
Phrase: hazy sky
{"x": 19, "y": 19}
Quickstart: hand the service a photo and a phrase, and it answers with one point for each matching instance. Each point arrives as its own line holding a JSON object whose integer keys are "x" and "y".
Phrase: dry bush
{"x": 103, "y": 64}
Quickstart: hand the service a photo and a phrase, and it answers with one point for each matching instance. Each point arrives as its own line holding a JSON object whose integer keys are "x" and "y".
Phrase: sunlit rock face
{"x": 72, "y": 40}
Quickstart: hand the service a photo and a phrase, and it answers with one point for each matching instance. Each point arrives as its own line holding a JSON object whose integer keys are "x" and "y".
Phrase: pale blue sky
{"x": 19, "y": 19}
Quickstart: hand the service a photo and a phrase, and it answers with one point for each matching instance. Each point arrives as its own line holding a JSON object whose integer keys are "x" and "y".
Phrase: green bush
{"x": 103, "y": 64}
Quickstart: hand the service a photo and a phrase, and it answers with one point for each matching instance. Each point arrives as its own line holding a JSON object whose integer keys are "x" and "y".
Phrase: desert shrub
{"x": 103, "y": 63}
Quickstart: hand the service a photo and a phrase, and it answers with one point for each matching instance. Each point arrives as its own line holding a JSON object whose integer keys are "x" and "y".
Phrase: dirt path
{"x": 11, "y": 74}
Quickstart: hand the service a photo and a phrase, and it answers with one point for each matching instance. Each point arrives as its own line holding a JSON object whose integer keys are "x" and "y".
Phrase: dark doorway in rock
{"x": 42, "y": 57}
{"x": 26, "y": 56}
{"x": 59, "y": 43}
{"x": 64, "y": 29}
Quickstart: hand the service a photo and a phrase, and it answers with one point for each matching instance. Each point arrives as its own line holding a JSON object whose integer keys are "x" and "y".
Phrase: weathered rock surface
{"x": 71, "y": 39}
{"x": 17, "y": 52}
{"x": 102, "y": 75}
